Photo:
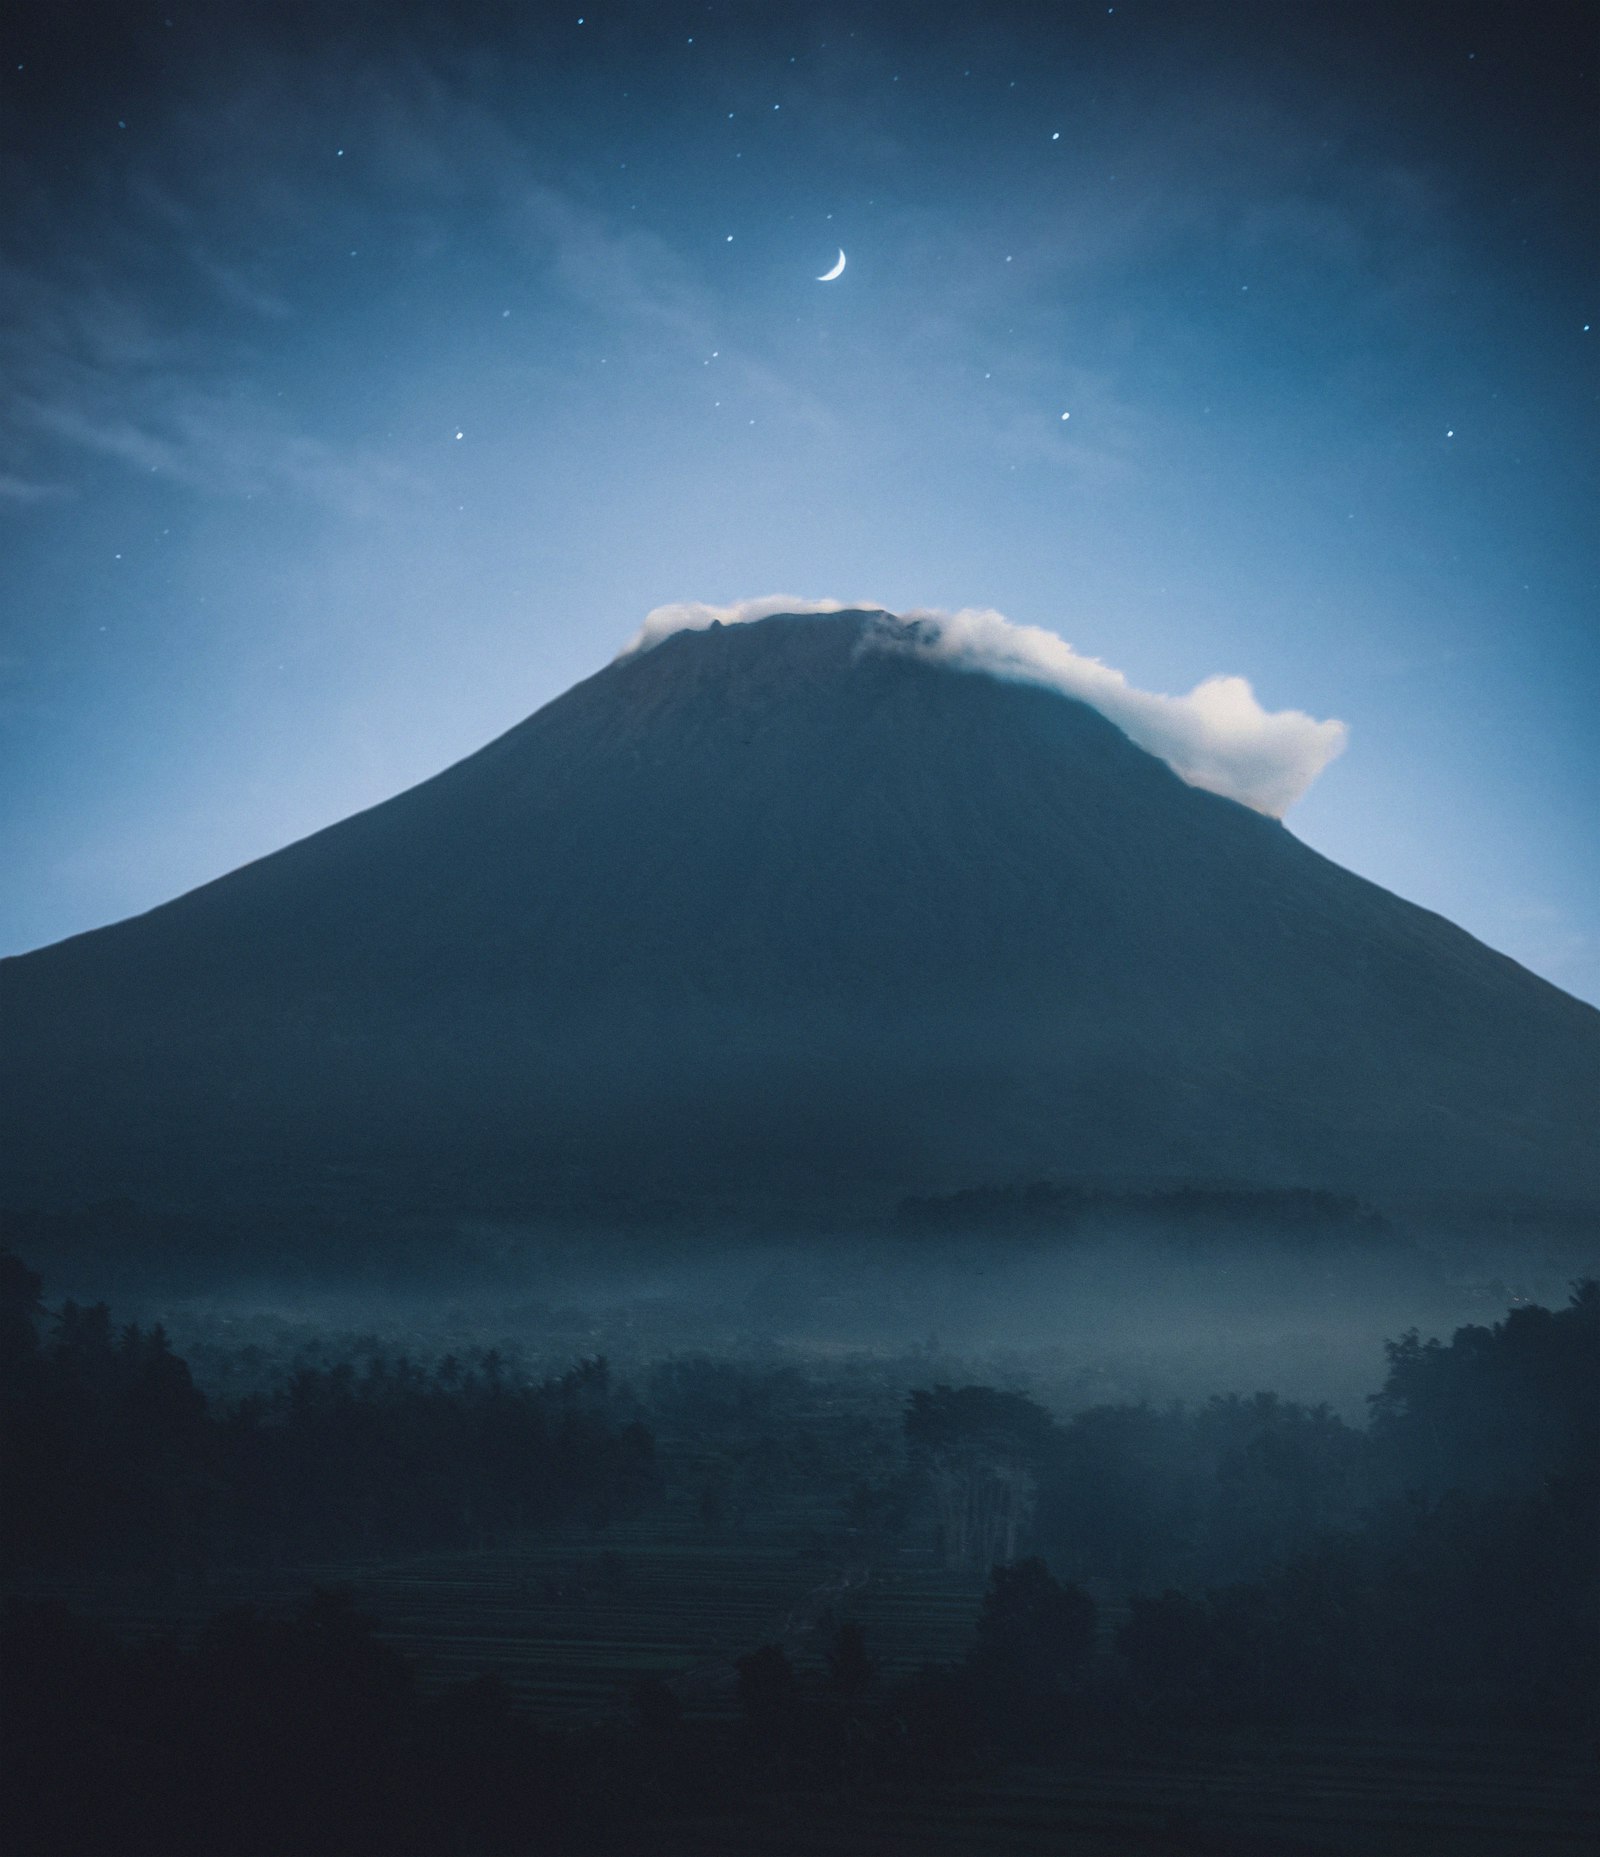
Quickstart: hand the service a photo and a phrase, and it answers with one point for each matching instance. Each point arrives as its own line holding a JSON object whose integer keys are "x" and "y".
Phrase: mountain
{"x": 760, "y": 915}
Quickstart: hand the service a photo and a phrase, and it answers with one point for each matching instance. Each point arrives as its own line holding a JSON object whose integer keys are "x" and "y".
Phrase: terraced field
{"x": 571, "y": 1623}
{"x": 571, "y": 1619}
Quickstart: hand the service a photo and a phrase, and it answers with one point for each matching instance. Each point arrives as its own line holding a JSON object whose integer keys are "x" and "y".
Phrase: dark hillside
{"x": 761, "y": 914}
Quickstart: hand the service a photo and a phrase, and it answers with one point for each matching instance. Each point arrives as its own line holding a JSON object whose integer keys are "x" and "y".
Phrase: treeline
{"x": 113, "y": 1460}
{"x": 1444, "y": 1562}
{"x": 1138, "y": 1496}
{"x": 1054, "y": 1206}
{"x": 1468, "y": 1610}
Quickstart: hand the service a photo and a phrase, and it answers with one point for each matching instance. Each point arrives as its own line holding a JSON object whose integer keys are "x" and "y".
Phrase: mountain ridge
{"x": 756, "y": 910}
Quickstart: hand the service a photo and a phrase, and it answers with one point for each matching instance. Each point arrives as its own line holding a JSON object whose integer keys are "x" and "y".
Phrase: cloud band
{"x": 1217, "y": 737}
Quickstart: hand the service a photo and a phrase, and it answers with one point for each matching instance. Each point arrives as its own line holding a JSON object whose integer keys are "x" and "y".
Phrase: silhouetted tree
{"x": 20, "y": 1310}
{"x": 1501, "y": 1407}
{"x": 979, "y": 1451}
{"x": 768, "y": 1688}
{"x": 850, "y": 1670}
{"x": 1170, "y": 1646}
{"x": 1033, "y": 1633}
{"x": 112, "y": 1457}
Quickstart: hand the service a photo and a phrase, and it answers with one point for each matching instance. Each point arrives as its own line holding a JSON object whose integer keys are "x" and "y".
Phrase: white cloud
{"x": 1217, "y": 737}
{"x": 695, "y": 616}
{"x": 15, "y": 489}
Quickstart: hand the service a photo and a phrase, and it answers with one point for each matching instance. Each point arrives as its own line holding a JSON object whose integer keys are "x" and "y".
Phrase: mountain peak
{"x": 1217, "y": 737}
{"x": 798, "y": 907}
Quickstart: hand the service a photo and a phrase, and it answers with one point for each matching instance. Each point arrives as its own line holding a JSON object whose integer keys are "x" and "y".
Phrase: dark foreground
{"x": 335, "y": 1602}
{"x": 1207, "y": 1796}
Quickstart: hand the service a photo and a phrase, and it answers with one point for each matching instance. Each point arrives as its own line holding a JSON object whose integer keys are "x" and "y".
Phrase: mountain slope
{"x": 756, "y": 911}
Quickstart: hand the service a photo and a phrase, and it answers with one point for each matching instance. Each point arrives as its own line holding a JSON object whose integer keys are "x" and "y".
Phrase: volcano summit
{"x": 772, "y": 913}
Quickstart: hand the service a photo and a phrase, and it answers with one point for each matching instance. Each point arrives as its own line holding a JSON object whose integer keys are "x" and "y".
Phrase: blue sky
{"x": 1314, "y": 296}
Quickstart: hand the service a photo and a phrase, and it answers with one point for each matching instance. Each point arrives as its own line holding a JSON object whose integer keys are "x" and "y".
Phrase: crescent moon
{"x": 827, "y": 277}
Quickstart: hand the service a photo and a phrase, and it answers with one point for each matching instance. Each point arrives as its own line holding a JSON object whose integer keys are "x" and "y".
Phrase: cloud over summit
{"x": 1217, "y": 737}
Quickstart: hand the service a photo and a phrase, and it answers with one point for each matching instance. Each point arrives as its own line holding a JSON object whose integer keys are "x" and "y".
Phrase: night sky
{"x": 368, "y": 374}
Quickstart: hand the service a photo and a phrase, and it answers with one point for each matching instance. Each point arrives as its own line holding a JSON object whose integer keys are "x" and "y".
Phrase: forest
{"x": 944, "y": 1582}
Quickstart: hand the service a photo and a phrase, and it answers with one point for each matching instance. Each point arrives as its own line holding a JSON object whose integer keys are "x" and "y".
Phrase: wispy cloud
{"x": 635, "y": 280}
{"x": 221, "y": 442}
{"x": 155, "y": 337}
{"x": 93, "y": 368}
{"x": 1217, "y": 736}
{"x": 699, "y": 616}
{"x": 23, "y": 490}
